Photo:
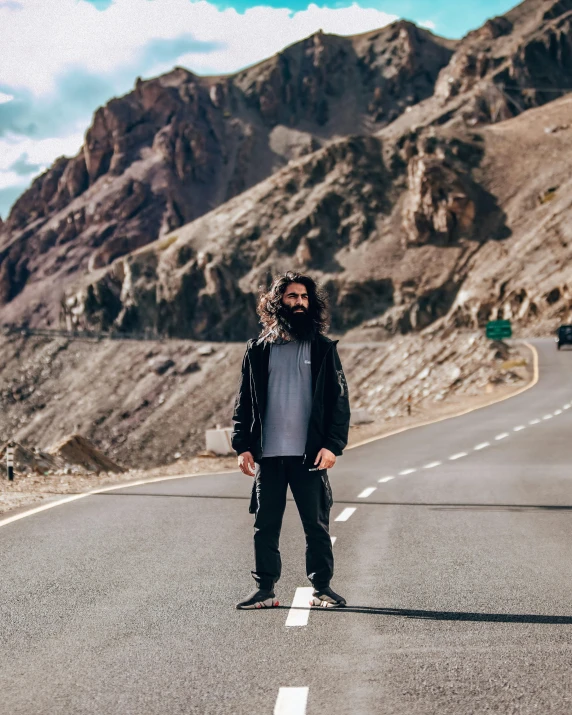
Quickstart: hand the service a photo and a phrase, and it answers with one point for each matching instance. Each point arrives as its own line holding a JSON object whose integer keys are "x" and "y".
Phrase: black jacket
{"x": 330, "y": 415}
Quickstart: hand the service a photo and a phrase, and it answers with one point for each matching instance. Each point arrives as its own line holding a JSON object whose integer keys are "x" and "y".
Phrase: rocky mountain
{"x": 339, "y": 212}
{"x": 444, "y": 225}
{"x": 512, "y": 63}
{"x": 180, "y": 145}
{"x": 421, "y": 180}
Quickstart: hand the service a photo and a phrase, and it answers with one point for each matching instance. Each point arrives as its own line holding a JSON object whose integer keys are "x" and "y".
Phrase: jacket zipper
{"x": 258, "y": 410}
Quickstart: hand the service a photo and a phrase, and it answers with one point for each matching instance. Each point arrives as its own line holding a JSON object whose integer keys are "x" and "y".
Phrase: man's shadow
{"x": 446, "y": 615}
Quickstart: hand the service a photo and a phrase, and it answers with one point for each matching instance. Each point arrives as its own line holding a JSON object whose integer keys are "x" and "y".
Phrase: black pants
{"x": 313, "y": 497}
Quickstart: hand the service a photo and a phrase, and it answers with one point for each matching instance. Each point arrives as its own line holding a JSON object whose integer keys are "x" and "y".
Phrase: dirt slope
{"x": 146, "y": 403}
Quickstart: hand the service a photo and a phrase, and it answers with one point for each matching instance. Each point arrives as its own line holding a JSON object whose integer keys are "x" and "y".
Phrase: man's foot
{"x": 326, "y": 598}
{"x": 260, "y": 598}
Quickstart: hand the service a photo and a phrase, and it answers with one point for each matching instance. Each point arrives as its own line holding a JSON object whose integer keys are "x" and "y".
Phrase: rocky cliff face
{"x": 180, "y": 145}
{"x": 512, "y": 63}
{"x": 387, "y": 230}
{"x": 449, "y": 226}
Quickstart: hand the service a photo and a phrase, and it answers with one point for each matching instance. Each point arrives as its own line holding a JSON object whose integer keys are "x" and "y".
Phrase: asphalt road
{"x": 456, "y": 571}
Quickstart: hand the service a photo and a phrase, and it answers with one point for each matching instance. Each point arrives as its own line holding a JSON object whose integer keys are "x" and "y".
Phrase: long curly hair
{"x": 270, "y": 304}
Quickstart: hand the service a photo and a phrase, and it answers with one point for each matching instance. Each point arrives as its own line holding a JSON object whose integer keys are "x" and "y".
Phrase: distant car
{"x": 564, "y": 336}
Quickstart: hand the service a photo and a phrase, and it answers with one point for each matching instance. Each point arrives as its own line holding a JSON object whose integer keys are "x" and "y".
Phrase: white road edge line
{"x": 333, "y": 539}
{"x": 291, "y": 701}
{"x": 431, "y": 465}
{"x": 457, "y": 456}
{"x": 384, "y": 479}
{"x": 518, "y": 428}
{"x": 74, "y": 497}
{"x": 534, "y": 422}
{"x": 406, "y": 471}
{"x": 366, "y": 493}
{"x": 300, "y": 608}
{"x": 482, "y": 445}
{"x": 346, "y": 513}
{"x": 502, "y": 435}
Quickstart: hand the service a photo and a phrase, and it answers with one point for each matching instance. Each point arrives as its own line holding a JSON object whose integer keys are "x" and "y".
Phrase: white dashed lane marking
{"x": 366, "y": 493}
{"x": 300, "y": 609}
{"x": 346, "y": 513}
{"x": 291, "y": 701}
{"x": 333, "y": 539}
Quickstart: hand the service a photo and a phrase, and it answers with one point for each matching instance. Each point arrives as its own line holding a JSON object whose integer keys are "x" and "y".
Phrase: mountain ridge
{"x": 372, "y": 150}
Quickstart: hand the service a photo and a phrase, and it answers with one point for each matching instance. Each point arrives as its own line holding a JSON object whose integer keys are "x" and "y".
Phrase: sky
{"x": 61, "y": 59}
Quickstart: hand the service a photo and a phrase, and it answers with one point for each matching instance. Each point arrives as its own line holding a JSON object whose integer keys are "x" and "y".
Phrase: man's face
{"x": 296, "y": 298}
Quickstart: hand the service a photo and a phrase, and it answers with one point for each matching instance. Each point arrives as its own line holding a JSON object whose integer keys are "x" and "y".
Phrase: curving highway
{"x": 453, "y": 545}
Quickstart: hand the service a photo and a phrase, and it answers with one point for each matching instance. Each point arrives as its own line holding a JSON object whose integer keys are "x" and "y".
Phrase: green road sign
{"x": 499, "y": 329}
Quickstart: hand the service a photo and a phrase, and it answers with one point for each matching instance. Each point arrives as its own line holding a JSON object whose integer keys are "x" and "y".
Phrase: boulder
{"x": 79, "y": 451}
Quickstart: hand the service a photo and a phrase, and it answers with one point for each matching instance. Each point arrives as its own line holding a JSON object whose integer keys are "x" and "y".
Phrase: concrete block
{"x": 218, "y": 440}
{"x": 360, "y": 416}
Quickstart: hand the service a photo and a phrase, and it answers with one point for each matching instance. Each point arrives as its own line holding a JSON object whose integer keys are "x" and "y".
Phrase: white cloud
{"x": 5, "y": 98}
{"x": 40, "y": 42}
{"x": 428, "y": 24}
{"x": 9, "y": 178}
{"x": 40, "y": 151}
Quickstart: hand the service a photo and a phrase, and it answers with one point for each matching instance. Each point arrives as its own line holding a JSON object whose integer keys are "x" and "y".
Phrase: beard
{"x": 296, "y": 323}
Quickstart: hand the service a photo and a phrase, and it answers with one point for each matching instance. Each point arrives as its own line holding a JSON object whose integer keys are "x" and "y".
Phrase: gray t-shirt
{"x": 289, "y": 401}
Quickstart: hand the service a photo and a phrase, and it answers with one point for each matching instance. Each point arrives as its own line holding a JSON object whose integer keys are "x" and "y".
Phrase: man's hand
{"x": 325, "y": 459}
{"x": 246, "y": 463}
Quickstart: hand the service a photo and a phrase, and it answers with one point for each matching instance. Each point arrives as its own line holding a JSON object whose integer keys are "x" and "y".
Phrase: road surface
{"x": 454, "y": 557}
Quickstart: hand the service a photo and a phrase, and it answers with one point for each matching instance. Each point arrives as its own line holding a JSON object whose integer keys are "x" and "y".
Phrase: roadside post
{"x": 10, "y": 462}
{"x": 499, "y": 329}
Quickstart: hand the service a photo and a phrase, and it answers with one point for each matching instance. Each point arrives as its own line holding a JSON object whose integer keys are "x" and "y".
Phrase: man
{"x": 291, "y": 420}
